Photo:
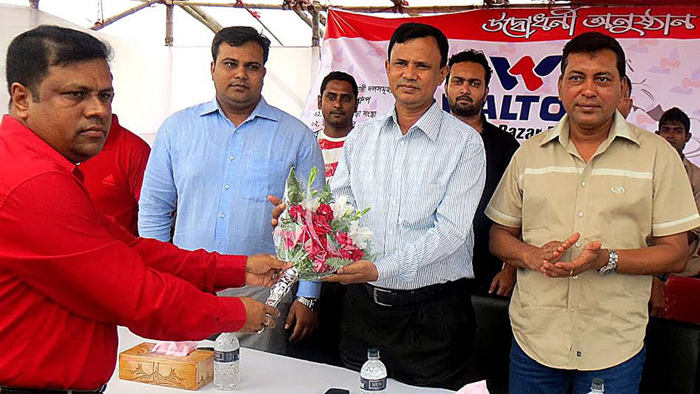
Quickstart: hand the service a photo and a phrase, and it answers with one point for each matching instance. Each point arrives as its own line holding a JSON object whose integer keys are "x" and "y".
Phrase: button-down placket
{"x": 400, "y": 147}
{"x": 221, "y": 230}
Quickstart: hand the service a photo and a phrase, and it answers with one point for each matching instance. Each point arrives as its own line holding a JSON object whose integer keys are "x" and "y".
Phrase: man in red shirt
{"x": 114, "y": 176}
{"x": 68, "y": 274}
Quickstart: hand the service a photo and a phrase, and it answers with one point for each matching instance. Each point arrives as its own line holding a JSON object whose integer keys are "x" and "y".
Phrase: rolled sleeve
{"x": 673, "y": 205}
{"x": 506, "y": 205}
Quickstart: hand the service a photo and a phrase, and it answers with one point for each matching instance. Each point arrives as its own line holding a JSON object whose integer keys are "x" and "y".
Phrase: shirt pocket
{"x": 263, "y": 177}
{"x": 624, "y": 207}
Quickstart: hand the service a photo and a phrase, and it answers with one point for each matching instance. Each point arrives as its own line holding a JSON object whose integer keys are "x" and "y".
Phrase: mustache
{"x": 465, "y": 97}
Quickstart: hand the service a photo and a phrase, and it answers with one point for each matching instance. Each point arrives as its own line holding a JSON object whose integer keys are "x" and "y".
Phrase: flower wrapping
{"x": 317, "y": 233}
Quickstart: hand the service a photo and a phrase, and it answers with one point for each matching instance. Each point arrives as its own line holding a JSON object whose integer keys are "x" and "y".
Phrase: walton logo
{"x": 525, "y": 67}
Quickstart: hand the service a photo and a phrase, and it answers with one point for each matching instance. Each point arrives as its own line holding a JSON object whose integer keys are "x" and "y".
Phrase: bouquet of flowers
{"x": 317, "y": 233}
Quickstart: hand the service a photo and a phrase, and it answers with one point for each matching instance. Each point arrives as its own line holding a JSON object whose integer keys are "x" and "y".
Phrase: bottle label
{"x": 372, "y": 384}
{"x": 227, "y": 357}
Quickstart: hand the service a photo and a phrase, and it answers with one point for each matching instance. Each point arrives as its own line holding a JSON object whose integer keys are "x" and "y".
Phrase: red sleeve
{"x": 137, "y": 155}
{"x": 52, "y": 239}
{"x": 206, "y": 271}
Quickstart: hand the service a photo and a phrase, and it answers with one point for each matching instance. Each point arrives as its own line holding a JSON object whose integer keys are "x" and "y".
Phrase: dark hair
{"x": 339, "y": 76}
{"x": 237, "y": 36}
{"x": 31, "y": 53}
{"x": 675, "y": 114}
{"x": 593, "y": 42}
{"x": 473, "y": 56}
{"x": 410, "y": 31}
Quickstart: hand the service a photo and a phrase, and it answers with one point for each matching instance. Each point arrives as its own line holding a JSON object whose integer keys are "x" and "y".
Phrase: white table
{"x": 265, "y": 373}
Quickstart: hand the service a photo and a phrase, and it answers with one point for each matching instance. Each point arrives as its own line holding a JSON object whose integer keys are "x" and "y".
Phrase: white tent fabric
{"x": 152, "y": 81}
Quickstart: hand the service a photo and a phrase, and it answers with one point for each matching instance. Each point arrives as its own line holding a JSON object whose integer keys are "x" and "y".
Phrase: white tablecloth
{"x": 265, "y": 373}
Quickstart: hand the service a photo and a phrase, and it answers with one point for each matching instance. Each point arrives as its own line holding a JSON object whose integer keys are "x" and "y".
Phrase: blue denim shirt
{"x": 218, "y": 176}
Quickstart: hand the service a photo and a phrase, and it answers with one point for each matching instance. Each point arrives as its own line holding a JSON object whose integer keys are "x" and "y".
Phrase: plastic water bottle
{"x": 373, "y": 374}
{"x": 597, "y": 386}
{"x": 226, "y": 361}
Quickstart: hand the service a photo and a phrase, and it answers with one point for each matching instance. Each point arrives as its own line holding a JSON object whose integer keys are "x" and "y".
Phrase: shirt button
{"x": 580, "y": 214}
{"x": 230, "y": 157}
{"x": 226, "y": 187}
{"x": 222, "y": 215}
{"x": 578, "y": 244}
{"x": 575, "y": 277}
{"x": 572, "y": 309}
{"x": 583, "y": 183}
{"x": 220, "y": 244}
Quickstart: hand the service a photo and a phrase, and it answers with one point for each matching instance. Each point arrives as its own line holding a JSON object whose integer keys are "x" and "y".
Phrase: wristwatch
{"x": 611, "y": 266}
{"x": 311, "y": 303}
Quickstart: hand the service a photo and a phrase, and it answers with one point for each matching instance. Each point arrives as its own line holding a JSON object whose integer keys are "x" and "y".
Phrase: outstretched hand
{"x": 263, "y": 269}
{"x": 362, "y": 271}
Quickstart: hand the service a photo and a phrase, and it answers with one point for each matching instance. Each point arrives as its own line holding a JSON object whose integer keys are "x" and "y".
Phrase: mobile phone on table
{"x": 337, "y": 391}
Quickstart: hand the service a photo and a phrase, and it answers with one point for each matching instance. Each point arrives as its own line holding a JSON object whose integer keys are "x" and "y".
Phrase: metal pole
{"x": 120, "y": 15}
{"x": 169, "y": 8}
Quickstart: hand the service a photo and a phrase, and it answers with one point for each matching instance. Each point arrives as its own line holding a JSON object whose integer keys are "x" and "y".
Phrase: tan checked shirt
{"x": 633, "y": 188}
{"x": 693, "y": 266}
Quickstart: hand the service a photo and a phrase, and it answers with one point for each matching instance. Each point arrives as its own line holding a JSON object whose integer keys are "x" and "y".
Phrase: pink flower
{"x": 296, "y": 212}
{"x": 290, "y": 238}
{"x": 325, "y": 211}
{"x": 321, "y": 225}
{"x": 343, "y": 239}
{"x": 317, "y": 253}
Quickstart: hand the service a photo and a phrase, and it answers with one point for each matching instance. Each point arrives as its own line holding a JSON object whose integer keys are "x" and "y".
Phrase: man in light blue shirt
{"x": 214, "y": 164}
{"x": 422, "y": 172}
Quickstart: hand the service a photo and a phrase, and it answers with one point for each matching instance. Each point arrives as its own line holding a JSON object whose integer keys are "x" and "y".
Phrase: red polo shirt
{"x": 69, "y": 276}
{"x": 114, "y": 176}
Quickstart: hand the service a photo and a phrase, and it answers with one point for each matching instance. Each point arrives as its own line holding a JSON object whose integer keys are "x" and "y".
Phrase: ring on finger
{"x": 571, "y": 273}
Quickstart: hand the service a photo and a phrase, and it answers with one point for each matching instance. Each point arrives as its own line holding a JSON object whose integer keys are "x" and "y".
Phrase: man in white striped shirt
{"x": 422, "y": 172}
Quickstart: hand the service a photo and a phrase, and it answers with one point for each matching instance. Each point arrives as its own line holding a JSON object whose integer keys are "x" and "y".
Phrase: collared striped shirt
{"x": 423, "y": 189}
{"x": 634, "y": 188}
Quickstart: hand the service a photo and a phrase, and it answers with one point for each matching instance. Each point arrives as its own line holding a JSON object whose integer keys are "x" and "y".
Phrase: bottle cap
{"x": 373, "y": 352}
{"x": 597, "y": 384}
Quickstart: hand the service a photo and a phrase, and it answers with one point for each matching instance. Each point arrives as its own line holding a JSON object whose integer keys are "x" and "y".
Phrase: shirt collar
{"x": 619, "y": 129}
{"x": 429, "y": 123}
{"x": 14, "y": 130}
{"x": 262, "y": 110}
{"x": 112, "y": 135}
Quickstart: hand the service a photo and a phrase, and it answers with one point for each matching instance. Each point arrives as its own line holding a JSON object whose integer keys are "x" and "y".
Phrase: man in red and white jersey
{"x": 338, "y": 103}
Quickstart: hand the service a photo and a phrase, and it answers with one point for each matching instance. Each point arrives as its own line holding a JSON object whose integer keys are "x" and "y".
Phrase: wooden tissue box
{"x": 190, "y": 372}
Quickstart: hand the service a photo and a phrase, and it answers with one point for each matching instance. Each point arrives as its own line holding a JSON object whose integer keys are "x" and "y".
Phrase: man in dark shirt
{"x": 467, "y": 86}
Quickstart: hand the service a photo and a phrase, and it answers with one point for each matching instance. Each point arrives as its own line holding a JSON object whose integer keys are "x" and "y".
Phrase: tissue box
{"x": 191, "y": 372}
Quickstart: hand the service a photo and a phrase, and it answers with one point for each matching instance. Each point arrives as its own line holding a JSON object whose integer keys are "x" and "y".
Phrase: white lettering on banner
{"x": 619, "y": 24}
{"x": 526, "y": 27}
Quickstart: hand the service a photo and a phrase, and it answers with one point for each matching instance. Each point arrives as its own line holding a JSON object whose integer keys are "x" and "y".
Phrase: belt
{"x": 16, "y": 390}
{"x": 394, "y": 298}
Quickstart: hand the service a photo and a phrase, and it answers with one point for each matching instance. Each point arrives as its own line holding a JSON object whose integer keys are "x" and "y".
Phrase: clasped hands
{"x": 546, "y": 258}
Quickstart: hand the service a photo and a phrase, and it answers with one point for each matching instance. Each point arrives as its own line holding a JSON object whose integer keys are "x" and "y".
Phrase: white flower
{"x": 360, "y": 235}
{"x": 311, "y": 204}
{"x": 341, "y": 206}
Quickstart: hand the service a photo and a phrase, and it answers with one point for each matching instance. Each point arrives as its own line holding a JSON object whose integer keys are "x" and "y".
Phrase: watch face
{"x": 607, "y": 270}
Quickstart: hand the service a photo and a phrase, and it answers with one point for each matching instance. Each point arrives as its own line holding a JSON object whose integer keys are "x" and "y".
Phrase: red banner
{"x": 521, "y": 25}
